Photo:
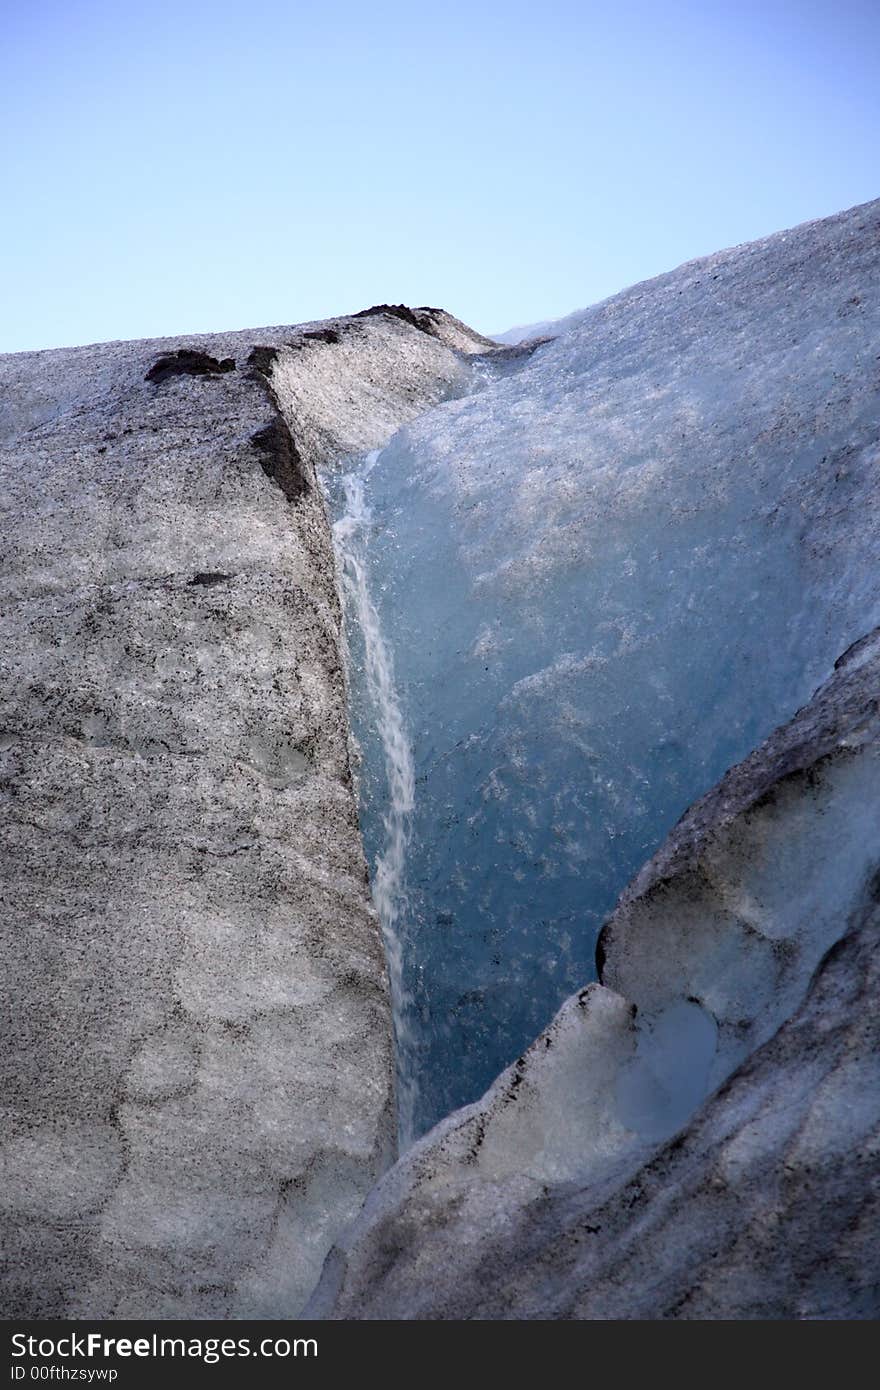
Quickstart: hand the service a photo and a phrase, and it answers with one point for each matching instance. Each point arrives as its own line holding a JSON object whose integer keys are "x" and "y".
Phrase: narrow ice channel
{"x": 387, "y": 858}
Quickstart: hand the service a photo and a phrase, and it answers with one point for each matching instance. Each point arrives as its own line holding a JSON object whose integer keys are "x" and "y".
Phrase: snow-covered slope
{"x": 603, "y": 579}
{"x": 547, "y": 328}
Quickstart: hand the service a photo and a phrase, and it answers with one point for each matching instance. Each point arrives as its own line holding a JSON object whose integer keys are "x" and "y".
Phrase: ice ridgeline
{"x": 367, "y": 646}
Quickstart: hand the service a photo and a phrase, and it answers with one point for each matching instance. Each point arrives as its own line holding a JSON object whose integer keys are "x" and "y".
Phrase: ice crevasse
{"x": 599, "y": 581}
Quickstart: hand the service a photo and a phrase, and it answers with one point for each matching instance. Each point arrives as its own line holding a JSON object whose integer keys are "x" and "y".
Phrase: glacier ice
{"x": 196, "y": 1057}
{"x": 581, "y": 1184}
{"x": 602, "y": 579}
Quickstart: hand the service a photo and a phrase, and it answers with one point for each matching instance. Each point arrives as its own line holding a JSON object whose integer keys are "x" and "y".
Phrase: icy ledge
{"x": 742, "y": 965}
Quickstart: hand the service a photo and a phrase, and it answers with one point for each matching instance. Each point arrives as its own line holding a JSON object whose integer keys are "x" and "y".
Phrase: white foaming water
{"x": 350, "y": 535}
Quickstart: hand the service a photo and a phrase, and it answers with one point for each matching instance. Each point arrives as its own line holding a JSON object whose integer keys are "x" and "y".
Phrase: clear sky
{"x": 191, "y": 166}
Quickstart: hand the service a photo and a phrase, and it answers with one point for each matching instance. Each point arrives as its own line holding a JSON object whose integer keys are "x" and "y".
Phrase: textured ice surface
{"x": 603, "y": 579}
{"x": 195, "y": 1040}
{"x": 753, "y": 930}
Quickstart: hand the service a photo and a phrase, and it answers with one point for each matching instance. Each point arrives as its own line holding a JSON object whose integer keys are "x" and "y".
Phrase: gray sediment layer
{"x": 197, "y": 1044}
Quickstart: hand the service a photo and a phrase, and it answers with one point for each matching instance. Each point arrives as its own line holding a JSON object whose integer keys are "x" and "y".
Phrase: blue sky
{"x": 196, "y": 166}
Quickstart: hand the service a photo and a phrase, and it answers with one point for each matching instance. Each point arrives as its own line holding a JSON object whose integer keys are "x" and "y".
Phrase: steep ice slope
{"x": 557, "y": 1196}
{"x": 196, "y": 1038}
{"x": 603, "y": 579}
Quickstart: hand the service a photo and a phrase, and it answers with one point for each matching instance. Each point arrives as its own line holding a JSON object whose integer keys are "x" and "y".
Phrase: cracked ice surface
{"x": 604, "y": 579}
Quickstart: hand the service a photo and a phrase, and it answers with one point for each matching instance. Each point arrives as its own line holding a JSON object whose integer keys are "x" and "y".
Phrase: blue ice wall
{"x": 600, "y": 581}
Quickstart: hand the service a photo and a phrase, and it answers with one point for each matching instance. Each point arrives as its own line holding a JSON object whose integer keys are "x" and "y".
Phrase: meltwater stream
{"x": 387, "y": 858}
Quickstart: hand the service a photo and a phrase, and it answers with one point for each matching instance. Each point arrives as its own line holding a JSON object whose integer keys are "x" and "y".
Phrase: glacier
{"x": 603, "y": 574}
{"x": 582, "y": 578}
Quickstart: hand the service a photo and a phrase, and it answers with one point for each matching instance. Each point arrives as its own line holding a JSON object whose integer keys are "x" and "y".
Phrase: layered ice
{"x": 602, "y": 579}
